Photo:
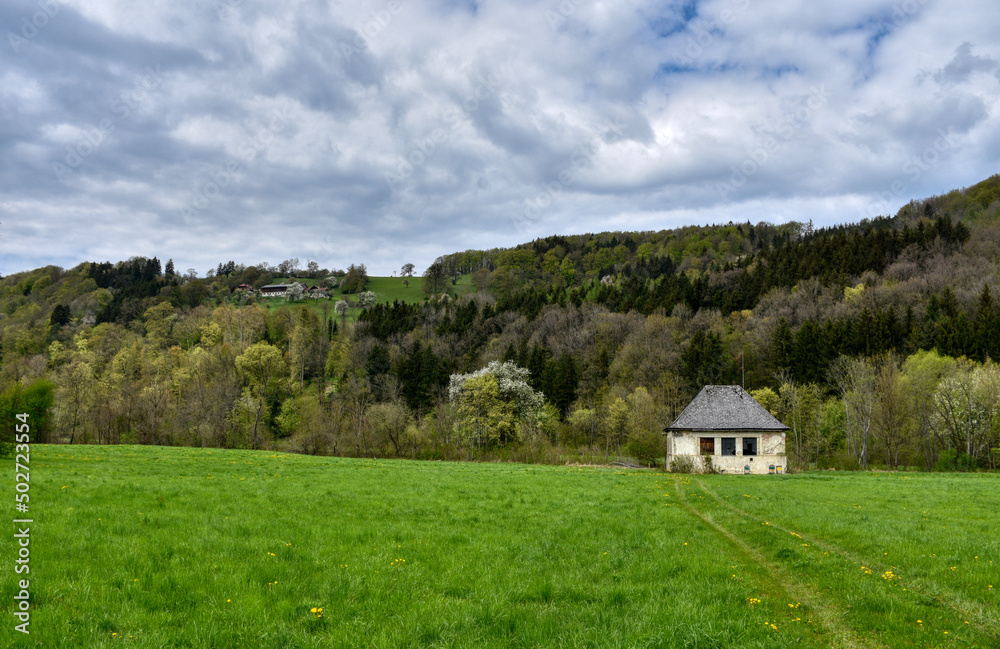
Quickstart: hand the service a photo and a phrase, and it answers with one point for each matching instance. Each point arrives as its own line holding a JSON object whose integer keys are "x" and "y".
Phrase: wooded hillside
{"x": 873, "y": 341}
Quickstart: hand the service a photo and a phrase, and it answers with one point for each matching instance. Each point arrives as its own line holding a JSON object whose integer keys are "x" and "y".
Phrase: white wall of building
{"x": 770, "y": 451}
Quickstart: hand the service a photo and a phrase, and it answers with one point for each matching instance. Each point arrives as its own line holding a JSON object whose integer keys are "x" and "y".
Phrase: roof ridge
{"x": 725, "y": 407}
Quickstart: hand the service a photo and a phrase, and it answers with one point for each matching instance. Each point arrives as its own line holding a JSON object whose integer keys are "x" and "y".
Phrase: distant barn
{"x": 274, "y": 290}
{"x": 726, "y": 424}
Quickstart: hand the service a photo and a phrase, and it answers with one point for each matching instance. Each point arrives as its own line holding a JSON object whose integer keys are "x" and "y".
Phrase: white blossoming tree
{"x": 295, "y": 291}
{"x": 493, "y": 401}
{"x": 341, "y": 307}
{"x": 367, "y": 300}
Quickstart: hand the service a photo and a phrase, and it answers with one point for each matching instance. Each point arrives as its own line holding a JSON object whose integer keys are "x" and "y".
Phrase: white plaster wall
{"x": 759, "y": 464}
{"x": 770, "y": 449}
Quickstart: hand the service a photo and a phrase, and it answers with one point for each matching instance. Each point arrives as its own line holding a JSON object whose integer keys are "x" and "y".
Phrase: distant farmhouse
{"x": 274, "y": 290}
{"x": 724, "y": 427}
{"x": 282, "y": 290}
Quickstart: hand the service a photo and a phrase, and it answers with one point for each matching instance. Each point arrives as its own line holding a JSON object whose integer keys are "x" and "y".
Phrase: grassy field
{"x": 177, "y": 547}
{"x": 392, "y": 288}
{"x": 387, "y": 289}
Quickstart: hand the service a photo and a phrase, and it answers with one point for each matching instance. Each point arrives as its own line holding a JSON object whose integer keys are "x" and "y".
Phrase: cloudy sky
{"x": 387, "y": 132}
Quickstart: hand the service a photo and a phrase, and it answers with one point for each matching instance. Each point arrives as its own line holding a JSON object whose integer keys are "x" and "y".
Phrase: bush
{"x": 645, "y": 446}
{"x": 947, "y": 461}
{"x": 35, "y": 399}
{"x": 682, "y": 464}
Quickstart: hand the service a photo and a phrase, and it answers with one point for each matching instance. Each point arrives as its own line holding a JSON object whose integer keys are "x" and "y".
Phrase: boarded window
{"x": 708, "y": 446}
{"x": 749, "y": 446}
{"x": 729, "y": 446}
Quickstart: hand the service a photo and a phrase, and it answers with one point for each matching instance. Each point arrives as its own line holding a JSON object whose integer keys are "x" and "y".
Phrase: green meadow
{"x": 386, "y": 289}
{"x": 180, "y": 547}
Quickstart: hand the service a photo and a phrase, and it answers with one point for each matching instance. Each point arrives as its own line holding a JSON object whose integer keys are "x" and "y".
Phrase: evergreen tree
{"x": 987, "y": 338}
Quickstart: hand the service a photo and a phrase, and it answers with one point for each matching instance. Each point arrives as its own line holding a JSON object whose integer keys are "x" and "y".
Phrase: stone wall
{"x": 770, "y": 451}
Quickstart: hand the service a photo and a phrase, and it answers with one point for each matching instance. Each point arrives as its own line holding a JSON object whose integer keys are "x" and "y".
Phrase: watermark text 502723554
{"x": 23, "y": 525}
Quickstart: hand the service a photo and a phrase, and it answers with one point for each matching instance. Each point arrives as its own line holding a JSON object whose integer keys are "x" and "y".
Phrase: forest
{"x": 875, "y": 342}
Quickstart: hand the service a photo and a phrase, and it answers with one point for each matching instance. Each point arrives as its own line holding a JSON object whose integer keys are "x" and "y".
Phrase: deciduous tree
{"x": 261, "y": 367}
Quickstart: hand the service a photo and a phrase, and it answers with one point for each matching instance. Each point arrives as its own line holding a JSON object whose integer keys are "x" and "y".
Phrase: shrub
{"x": 682, "y": 464}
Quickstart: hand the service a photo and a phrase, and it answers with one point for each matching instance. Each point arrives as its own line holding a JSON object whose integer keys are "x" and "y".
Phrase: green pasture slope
{"x": 178, "y": 547}
{"x": 387, "y": 289}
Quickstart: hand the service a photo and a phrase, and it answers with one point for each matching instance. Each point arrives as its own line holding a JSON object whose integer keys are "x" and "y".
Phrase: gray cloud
{"x": 963, "y": 65}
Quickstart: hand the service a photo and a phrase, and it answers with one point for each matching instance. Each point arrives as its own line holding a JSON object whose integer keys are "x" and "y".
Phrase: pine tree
{"x": 985, "y": 327}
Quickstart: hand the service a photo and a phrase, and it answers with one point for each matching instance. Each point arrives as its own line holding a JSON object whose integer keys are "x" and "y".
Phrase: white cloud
{"x": 424, "y": 127}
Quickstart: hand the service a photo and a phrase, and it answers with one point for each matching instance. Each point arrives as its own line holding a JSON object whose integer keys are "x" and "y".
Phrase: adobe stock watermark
{"x": 703, "y": 32}
{"x": 781, "y": 132}
{"x": 31, "y": 25}
{"x": 211, "y": 187}
{"x": 564, "y": 10}
{"x": 581, "y": 158}
{"x": 368, "y": 31}
{"x": 227, "y": 8}
{"x": 419, "y": 152}
{"x": 902, "y": 12}
{"x": 122, "y": 108}
{"x": 914, "y": 168}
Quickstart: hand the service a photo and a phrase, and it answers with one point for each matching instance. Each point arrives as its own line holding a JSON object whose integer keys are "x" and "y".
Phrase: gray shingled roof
{"x": 725, "y": 407}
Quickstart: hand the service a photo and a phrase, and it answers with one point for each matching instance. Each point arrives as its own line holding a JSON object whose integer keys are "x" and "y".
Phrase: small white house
{"x": 727, "y": 425}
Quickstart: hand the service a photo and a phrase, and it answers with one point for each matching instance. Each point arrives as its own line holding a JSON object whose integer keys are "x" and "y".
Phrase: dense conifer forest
{"x": 873, "y": 341}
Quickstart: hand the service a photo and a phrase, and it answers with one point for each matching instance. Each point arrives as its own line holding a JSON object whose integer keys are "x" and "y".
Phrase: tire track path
{"x": 986, "y": 618}
{"x": 827, "y": 613}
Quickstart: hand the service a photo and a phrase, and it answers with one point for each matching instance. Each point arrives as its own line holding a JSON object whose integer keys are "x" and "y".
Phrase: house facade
{"x": 724, "y": 427}
{"x": 274, "y": 290}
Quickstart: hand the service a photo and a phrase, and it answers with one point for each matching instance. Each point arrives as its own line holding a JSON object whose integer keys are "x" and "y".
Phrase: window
{"x": 749, "y": 446}
{"x": 708, "y": 446}
{"x": 729, "y": 446}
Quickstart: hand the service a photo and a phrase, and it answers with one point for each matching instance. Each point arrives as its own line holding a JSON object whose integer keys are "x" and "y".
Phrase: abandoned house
{"x": 726, "y": 429}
